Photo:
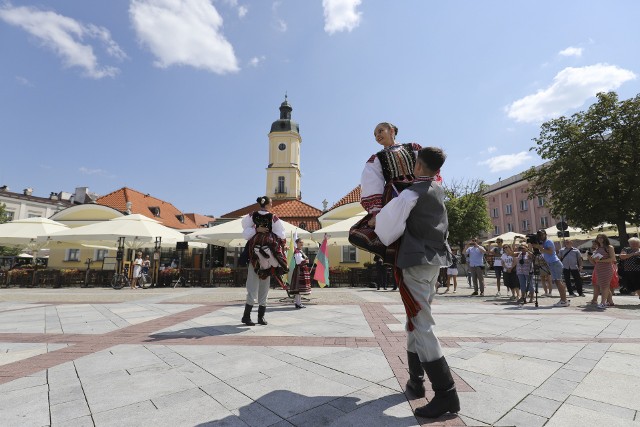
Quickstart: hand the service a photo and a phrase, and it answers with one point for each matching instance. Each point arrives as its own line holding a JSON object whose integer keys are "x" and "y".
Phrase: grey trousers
{"x": 420, "y": 281}
{"x": 256, "y": 288}
{"x": 477, "y": 276}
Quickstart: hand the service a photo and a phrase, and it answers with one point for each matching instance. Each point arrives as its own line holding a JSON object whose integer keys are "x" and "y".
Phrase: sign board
{"x": 562, "y": 226}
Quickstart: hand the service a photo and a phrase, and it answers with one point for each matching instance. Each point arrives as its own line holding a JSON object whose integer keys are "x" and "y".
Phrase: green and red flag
{"x": 322, "y": 265}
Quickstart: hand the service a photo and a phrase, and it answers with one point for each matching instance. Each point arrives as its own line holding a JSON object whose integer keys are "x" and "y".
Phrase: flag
{"x": 291, "y": 261}
{"x": 322, "y": 265}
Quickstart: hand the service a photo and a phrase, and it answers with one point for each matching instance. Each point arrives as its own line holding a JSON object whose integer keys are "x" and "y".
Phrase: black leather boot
{"x": 261, "y": 310}
{"x": 446, "y": 397}
{"x": 246, "y": 318}
{"x": 416, "y": 375}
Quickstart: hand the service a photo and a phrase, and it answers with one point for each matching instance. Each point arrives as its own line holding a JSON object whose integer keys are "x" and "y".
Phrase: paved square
{"x": 180, "y": 357}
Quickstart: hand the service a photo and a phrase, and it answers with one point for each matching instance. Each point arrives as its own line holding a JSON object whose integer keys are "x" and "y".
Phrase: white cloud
{"x": 66, "y": 37}
{"x": 571, "y": 87}
{"x": 506, "y": 162}
{"x": 571, "y": 51}
{"x": 341, "y": 15}
{"x": 242, "y": 11}
{"x": 183, "y": 32}
{"x": 86, "y": 171}
{"x": 255, "y": 61}
{"x": 279, "y": 23}
{"x": 24, "y": 81}
{"x": 492, "y": 149}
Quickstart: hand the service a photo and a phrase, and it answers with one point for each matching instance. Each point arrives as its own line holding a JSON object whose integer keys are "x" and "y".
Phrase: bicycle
{"x": 121, "y": 279}
{"x": 179, "y": 281}
{"x": 144, "y": 281}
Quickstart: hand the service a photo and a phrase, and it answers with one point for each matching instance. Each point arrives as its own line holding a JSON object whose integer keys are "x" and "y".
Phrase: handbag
{"x": 615, "y": 280}
{"x": 363, "y": 236}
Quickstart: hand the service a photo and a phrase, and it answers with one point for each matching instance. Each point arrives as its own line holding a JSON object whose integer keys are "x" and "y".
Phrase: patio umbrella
{"x": 337, "y": 233}
{"x": 22, "y": 233}
{"x": 137, "y": 230}
{"x": 229, "y": 234}
{"x": 574, "y": 233}
{"x": 506, "y": 237}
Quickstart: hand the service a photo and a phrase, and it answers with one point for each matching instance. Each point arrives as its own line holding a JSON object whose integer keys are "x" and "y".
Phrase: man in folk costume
{"x": 418, "y": 218}
{"x": 301, "y": 278}
{"x": 266, "y": 240}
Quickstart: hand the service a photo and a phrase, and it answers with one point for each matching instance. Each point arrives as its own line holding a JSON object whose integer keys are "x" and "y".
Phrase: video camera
{"x": 533, "y": 238}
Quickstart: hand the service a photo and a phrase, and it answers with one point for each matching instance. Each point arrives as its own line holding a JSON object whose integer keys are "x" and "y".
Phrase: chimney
{"x": 27, "y": 191}
{"x": 129, "y": 205}
{"x": 81, "y": 194}
{"x": 53, "y": 196}
{"x": 4, "y": 188}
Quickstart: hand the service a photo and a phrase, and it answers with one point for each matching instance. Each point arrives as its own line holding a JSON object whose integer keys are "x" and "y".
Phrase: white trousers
{"x": 257, "y": 288}
{"x": 420, "y": 281}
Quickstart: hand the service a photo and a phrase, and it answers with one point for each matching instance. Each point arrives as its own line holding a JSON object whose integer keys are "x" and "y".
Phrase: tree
{"x": 591, "y": 176}
{"x": 3, "y": 218}
{"x": 467, "y": 210}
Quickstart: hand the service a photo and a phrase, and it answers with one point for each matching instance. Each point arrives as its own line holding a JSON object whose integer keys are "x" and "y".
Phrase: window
{"x": 525, "y": 225}
{"x": 509, "y": 227}
{"x": 540, "y": 201}
{"x": 155, "y": 210}
{"x": 544, "y": 222}
{"x": 72, "y": 255}
{"x": 349, "y": 254}
{"x": 100, "y": 254}
{"x": 9, "y": 215}
{"x": 280, "y": 188}
{"x": 495, "y": 213}
{"x": 33, "y": 215}
{"x": 508, "y": 209}
{"x": 524, "y": 205}
{"x": 496, "y": 230}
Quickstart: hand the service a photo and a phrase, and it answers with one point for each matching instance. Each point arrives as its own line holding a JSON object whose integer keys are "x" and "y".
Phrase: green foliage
{"x": 5, "y": 251}
{"x": 467, "y": 210}
{"x": 591, "y": 176}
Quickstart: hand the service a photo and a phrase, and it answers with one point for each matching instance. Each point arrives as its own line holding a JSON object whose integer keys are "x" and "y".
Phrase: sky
{"x": 175, "y": 98}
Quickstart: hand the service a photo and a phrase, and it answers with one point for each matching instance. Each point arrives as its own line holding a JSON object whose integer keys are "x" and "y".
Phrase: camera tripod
{"x": 537, "y": 264}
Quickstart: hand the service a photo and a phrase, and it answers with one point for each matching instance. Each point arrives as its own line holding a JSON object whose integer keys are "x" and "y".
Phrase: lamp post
{"x": 156, "y": 259}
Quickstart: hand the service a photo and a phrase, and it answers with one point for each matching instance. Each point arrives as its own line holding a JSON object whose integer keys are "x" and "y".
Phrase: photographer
{"x": 548, "y": 250}
{"x": 475, "y": 255}
{"x": 571, "y": 266}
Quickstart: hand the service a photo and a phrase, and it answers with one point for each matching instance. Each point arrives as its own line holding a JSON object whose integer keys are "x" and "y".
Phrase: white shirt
{"x": 392, "y": 219}
{"x": 507, "y": 261}
{"x": 249, "y": 228}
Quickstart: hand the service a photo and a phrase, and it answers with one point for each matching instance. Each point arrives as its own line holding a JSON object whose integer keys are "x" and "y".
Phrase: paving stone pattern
{"x": 180, "y": 357}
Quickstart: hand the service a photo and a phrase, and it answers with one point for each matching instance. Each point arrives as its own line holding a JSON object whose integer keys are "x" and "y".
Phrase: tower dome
{"x": 284, "y": 123}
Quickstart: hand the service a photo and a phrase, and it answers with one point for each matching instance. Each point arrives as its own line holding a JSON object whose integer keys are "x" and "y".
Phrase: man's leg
{"x": 420, "y": 281}
{"x": 263, "y": 291}
{"x": 474, "y": 278}
{"x": 578, "y": 279}
{"x": 566, "y": 274}
{"x": 481, "y": 280}
{"x": 252, "y": 294}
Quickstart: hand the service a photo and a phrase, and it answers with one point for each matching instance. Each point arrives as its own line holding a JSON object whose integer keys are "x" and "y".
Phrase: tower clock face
{"x": 282, "y": 147}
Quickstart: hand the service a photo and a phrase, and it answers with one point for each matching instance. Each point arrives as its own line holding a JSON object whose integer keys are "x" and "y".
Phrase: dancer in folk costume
{"x": 386, "y": 174}
{"x": 266, "y": 241}
{"x": 301, "y": 278}
{"x": 418, "y": 217}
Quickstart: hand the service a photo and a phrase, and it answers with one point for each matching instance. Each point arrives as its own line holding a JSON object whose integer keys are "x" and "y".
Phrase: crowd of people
{"x": 519, "y": 266}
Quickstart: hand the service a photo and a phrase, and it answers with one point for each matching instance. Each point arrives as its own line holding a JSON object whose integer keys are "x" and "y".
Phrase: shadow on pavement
{"x": 300, "y": 410}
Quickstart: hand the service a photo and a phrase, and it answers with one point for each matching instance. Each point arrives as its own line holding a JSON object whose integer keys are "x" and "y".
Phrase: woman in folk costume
{"x": 301, "y": 278}
{"x": 385, "y": 175}
{"x": 266, "y": 240}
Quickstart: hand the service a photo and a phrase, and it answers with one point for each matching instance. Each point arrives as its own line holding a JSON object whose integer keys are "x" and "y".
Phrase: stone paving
{"x": 180, "y": 357}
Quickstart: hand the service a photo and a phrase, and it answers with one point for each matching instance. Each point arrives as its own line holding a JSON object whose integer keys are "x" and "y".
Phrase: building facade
{"x": 283, "y": 171}
{"x": 25, "y": 205}
{"x": 510, "y": 208}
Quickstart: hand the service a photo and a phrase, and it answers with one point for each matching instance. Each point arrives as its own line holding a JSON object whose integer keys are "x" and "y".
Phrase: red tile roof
{"x": 200, "y": 220}
{"x": 352, "y": 197}
{"x": 145, "y": 204}
{"x": 294, "y": 211}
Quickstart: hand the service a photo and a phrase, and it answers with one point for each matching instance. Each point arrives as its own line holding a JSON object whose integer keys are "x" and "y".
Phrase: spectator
{"x": 381, "y": 273}
{"x": 603, "y": 259}
{"x": 571, "y": 267}
{"x": 475, "y": 257}
{"x": 524, "y": 269}
{"x": 509, "y": 272}
{"x": 548, "y": 250}
{"x": 630, "y": 257}
{"x": 452, "y": 271}
{"x": 497, "y": 262}
{"x": 137, "y": 270}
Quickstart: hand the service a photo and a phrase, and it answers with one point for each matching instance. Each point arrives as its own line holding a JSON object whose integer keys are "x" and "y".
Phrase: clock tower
{"x": 283, "y": 172}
